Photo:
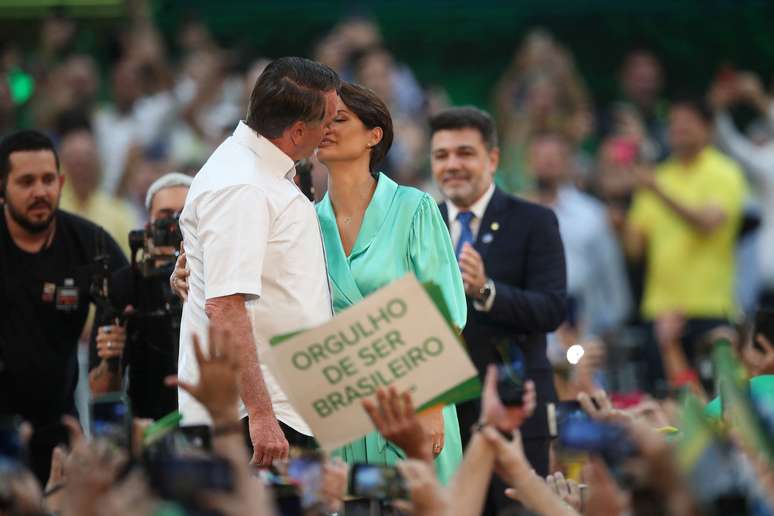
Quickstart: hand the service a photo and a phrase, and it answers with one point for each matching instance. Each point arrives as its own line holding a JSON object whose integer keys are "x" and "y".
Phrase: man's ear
{"x": 494, "y": 158}
{"x": 297, "y": 132}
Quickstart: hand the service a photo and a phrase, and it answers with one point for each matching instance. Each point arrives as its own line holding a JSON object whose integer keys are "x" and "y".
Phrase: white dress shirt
{"x": 455, "y": 227}
{"x": 249, "y": 230}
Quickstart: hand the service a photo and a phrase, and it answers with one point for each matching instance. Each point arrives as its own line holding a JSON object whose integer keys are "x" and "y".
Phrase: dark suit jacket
{"x": 522, "y": 251}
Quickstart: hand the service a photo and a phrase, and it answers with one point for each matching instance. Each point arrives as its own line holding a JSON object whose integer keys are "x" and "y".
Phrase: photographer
{"x": 47, "y": 262}
{"x": 146, "y": 341}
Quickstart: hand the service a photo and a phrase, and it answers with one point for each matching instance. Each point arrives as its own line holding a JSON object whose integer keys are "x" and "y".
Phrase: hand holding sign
{"x": 396, "y": 337}
{"x": 395, "y": 418}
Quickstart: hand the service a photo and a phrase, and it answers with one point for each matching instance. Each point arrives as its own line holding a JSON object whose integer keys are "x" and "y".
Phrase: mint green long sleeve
{"x": 402, "y": 232}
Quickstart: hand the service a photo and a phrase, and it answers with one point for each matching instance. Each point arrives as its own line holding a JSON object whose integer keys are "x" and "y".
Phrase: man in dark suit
{"x": 512, "y": 263}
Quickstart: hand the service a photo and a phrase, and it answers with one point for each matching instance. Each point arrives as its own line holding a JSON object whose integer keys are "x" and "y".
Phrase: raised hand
{"x": 495, "y": 413}
{"x": 395, "y": 418}
{"x": 218, "y": 387}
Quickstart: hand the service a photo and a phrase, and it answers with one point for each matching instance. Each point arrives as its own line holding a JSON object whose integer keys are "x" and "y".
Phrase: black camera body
{"x": 155, "y": 237}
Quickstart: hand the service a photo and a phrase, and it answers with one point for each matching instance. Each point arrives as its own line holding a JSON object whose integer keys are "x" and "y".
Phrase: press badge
{"x": 67, "y": 296}
{"x": 49, "y": 290}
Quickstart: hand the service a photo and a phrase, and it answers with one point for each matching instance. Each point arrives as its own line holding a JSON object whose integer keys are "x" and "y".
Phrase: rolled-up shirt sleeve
{"x": 234, "y": 226}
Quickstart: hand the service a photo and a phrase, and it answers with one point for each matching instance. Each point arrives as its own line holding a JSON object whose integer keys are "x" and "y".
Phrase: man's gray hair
{"x": 170, "y": 180}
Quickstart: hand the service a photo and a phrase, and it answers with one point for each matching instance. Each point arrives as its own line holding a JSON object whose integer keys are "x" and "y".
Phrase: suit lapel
{"x": 444, "y": 214}
{"x": 491, "y": 223}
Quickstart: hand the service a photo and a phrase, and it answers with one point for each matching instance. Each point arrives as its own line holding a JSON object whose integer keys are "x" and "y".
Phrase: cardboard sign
{"x": 395, "y": 337}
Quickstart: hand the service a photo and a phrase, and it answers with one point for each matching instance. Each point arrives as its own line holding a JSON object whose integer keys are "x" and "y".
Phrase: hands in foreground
{"x": 394, "y": 417}
{"x": 493, "y": 412}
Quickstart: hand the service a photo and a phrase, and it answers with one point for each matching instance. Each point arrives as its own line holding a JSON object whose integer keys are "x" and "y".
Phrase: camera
{"x": 159, "y": 241}
{"x": 184, "y": 478}
{"x": 111, "y": 419}
{"x": 376, "y": 482}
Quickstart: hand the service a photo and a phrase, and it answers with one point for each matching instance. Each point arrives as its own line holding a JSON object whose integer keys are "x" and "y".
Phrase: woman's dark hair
{"x": 373, "y": 112}
{"x": 289, "y": 90}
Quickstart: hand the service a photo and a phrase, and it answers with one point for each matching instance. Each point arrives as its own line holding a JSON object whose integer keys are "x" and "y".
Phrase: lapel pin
{"x": 487, "y": 238}
{"x": 495, "y": 226}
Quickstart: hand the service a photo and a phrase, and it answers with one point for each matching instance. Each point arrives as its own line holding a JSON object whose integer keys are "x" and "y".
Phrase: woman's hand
{"x": 178, "y": 281}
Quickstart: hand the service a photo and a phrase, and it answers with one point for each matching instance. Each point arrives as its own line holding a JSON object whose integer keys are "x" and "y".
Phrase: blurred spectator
{"x": 81, "y": 194}
{"x": 129, "y": 119}
{"x": 684, "y": 220}
{"x": 596, "y": 276}
{"x": 540, "y": 91}
{"x": 755, "y": 152}
{"x": 614, "y": 184}
{"x": 641, "y": 82}
{"x": 339, "y": 49}
{"x": 395, "y": 84}
{"x": 7, "y": 109}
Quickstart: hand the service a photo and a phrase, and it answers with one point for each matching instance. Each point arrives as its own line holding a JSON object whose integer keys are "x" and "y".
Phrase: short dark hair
{"x": 289, "y": 90}
{"x": 695, "y": 103}
{"x": 466, "y": 117}
{"x": 373, "y": 112}
{"x": 20, "y": 141}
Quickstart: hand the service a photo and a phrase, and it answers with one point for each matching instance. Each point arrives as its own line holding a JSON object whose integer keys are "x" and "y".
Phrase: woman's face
{"x": 346, "y": 138}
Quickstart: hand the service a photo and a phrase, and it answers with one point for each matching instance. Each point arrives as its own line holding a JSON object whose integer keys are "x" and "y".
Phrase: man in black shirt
{"x": 147, "y": 342}
{"x": 47, "y": 260}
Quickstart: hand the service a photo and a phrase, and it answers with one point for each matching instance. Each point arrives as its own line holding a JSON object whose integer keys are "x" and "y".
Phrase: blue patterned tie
{"x": 466, "y": 233}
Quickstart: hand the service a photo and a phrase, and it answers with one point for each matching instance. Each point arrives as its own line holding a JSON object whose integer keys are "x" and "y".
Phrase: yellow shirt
{"x": 114, "y": 215}
{"x": 686, "y": 270}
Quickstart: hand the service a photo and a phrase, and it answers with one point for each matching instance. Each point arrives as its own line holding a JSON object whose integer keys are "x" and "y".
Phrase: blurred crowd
{"x": 665, "y": 205}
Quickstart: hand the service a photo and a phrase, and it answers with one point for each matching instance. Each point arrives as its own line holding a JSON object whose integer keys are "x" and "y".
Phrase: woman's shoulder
{"x": 409, "y": 197}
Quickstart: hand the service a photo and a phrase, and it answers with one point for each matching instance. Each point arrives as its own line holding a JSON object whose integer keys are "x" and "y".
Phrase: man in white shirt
{"x": 254, "y": 249}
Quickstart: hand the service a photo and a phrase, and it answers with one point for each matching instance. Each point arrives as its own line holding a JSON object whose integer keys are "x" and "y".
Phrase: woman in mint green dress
{"x": 375, "y": 231}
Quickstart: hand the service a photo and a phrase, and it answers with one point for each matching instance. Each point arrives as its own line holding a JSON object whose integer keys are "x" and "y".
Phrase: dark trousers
{"x": 536, "y": 449}
{"x": 295, "y": 438}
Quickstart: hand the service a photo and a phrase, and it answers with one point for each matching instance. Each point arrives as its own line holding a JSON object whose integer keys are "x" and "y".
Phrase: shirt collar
{"x": 277, "y": 162}
{"x": 478, "y": 208}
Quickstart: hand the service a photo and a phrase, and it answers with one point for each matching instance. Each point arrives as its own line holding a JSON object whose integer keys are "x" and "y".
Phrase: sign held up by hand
{"x": 394, "y": 337}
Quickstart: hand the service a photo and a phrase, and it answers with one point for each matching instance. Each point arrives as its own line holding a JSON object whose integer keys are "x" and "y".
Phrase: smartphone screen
{"x": 376, "y": 482}
{"x": 307, "y": 472}
{"x": 111, "y": 419}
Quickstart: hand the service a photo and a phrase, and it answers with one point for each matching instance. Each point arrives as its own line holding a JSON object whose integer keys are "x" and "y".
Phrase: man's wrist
{"x": 224, "y": 416}
{"x": 485, "y": 291}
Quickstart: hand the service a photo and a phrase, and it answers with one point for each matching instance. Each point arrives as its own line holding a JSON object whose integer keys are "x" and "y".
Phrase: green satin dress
{"x": 402, "y": 231}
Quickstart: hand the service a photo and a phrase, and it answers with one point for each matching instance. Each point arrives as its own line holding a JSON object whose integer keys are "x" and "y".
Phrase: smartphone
{"x": 559, "y": 413}
{"x": 306, "y": 471}
{"x": 511, "y": 375}
{"x": 610, "y": 442}
{"x": 11, "y": 446}
{"x": 377, "y": 482}
{"x": 111, "y": 419}
{"x": 184, "y": 478}
{"x": 764, "y": 325}
{"x": 198, "y": 437}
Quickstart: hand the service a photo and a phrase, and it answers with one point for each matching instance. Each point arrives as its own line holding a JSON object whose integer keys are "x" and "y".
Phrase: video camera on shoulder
{"x": 159, "y": 242}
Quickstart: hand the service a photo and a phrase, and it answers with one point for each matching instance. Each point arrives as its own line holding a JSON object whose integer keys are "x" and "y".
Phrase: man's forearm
{"x": 470, "y": 483}
{"x": 230, "y": 312}
{"x": 705, "y": 220}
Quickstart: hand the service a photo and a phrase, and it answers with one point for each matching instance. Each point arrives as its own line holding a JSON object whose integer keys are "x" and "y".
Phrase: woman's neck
{"x": 350, "y": 187}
